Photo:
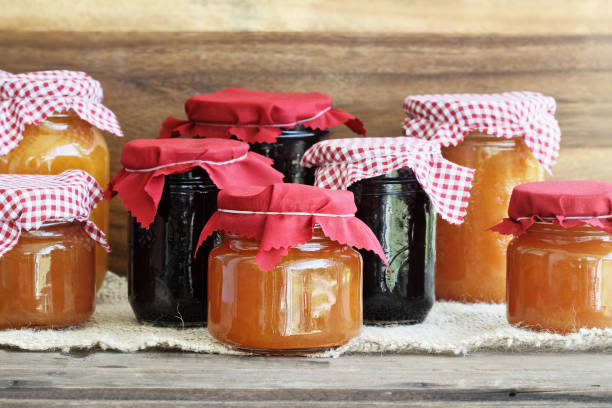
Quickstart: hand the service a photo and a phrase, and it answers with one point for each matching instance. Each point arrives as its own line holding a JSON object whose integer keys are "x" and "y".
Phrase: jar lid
{"x": 568, "y": 203}
{"x": 255, "y": 116}
{"x": 146, "y": 162}
{"x": 448, "y": 118}
{"x": 281, "y": 216}
{"x": 341, "y": 162}
{"x": 29, "y": 201}
{"x": 28, "y": 98}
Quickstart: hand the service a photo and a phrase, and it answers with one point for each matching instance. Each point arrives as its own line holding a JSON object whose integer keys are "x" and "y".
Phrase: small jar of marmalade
{"x": 47, "y": 257}
{"x": 285, "y": 278}
{"x": 509, "y": 139}
{"x": 559, "y": 267}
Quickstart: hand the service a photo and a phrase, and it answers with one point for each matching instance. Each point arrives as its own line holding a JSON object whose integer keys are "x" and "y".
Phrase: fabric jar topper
{"x": 146, "y": 162}
{"x": 342, "y": 162}
{"x": 448, "y": 118}
{"x": 28, "y": 98}
{"x": 255, "y": 116}
{"x": 29, "y": 201}
{"x": 568, "y": 203}
{"x": 281, "y": 216}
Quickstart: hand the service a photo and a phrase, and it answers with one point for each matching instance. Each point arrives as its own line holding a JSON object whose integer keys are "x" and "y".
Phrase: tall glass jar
{"x": 166, "y": 283}
{"x": 310, "y": 301}
{"x": 399, "y": 212}
{"x": 560, "y": 279}
{"x": 471, "y": 260}
{"x": 48, "y": 279}
{"x": 65, "y": 142}
{"x": 288, "y": 151}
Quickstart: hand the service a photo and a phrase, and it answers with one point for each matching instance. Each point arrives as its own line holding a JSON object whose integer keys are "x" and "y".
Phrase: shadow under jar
{"x": 288, "y": 150}
{"x": 166, "y": 284}
{"x": 399, "y": 212}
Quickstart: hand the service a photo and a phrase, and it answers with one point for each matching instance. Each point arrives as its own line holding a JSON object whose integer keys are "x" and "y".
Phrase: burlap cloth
{"x": 450, "y": 328}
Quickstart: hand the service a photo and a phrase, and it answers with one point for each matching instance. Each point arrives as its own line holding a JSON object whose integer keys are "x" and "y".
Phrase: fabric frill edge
{"x": 510, "y": 226}
{"x": 173, "y": 127}
{"x": 277, "y": 252}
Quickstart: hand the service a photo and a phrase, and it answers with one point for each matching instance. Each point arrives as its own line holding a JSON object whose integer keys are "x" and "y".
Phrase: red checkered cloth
{"x": 28, "y": 201}
{"x": 448, "y": 118}
{"x": 341, "y": 162}
{"x": 28, "y": 98}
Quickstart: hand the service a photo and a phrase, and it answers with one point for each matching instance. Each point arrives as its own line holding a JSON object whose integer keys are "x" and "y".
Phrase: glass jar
{"x": 65, "y": 142}
{"x": 47, "y": 280}
{"x": 399, "y": 212}
{"x": 288, "y": 150}
{"x": 560, "y": 279}
{"x": 470, "y": 260}
{"x": 310, "y": 301}
{"x": 166, "y": 284}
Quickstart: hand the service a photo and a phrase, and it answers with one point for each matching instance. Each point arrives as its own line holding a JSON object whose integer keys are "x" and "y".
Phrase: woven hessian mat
{"x": 450, "y": 328}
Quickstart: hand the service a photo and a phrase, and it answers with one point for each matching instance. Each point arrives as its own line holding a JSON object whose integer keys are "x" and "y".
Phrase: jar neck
{"x": 484, "y": 139}
{"x": 554, "y": 229}
{"x": 317, "y": 241}
{"x": 301, "y": 132}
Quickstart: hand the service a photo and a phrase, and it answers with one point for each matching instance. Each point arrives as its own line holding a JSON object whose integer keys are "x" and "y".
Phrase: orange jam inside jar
{"x": 310, "y": 301}
{"x": 560, "y": 279}
{"x": 471, "y": 261}
{"x": 47, "y": 280}
{"x": 65, "y": 142}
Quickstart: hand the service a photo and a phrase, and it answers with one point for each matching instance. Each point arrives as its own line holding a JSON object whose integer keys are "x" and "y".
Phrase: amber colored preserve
{"x": 559, "y": 279}
{"x": 65, "y": 142}
{"x": 311, "y": 300}
{"x": 47, "y": 280}
{"x": 471, "y": 261}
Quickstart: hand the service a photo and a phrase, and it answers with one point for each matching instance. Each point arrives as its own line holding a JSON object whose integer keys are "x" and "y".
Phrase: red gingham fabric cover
{"x": 277, "y": 233}
{"x": 28, "y": 98}
{"x": 28, "y": 201}
{"x": 448, "y": 118}
{"x": 146, "y": 162}
{"x": 568, "y": 203}
{"x": 341, "y": 162}
{"x": 255, "y": 116}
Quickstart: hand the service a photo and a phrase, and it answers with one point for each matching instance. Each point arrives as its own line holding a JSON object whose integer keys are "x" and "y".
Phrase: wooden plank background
{"x": 368, "y": 58}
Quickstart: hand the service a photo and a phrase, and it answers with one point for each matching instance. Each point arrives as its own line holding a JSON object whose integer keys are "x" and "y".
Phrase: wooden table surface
{"x": 156, "y": 379}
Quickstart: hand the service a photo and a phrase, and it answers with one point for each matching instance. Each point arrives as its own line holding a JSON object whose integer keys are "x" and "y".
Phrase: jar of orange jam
{"x": 47, "y": 257}
{"x": 63, "y": 134}
{"x": 47, "y": 280}
{"x": 310, "y": 300}
{"x": 508, "y": 139}
{"x": 279, "y": 282}
{"x": 471, "y": 261}
{"x": 559, "y": 270}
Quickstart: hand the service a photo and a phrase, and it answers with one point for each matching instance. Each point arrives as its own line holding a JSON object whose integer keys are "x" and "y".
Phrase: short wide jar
{"x": 560, "y": 279}
{"x": 47, "y": 280}
{"x": 309, "y": 301}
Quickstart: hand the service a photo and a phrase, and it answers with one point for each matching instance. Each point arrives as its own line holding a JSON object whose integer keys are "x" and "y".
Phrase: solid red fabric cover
{"x": 281, "y": 216}
{"x": 255, "y": 116}
{"x": 146, "y": 162}
{"x": 568, "y": 203}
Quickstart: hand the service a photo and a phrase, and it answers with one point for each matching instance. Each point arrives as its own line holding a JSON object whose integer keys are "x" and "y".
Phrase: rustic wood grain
{"x": 147, "y": 76}
{"x": 114, "y": 379}
{"x": 415, "y": 16}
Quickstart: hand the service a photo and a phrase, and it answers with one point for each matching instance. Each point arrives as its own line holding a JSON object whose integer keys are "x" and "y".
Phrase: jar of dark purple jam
{"x": 400, "y": 213}
{"x": 167, "y": 286}
{"x": 288, "y": 150}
